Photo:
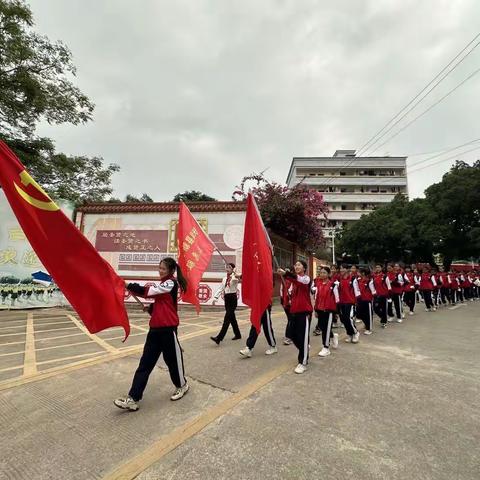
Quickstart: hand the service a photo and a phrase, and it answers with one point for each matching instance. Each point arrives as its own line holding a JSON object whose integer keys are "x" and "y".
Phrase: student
{"x": 391, "y": 278}
{"x": 348, "y": 294}
{"x": 285, "y": 301}
{"x": 454, "y": 286}
{"x": 325, "y": 291}
{"x": 162, "y": 335}
{"x": 301, "y": 310}
{"x": 364, "y": 305}
{"x": 409, "y": 289}
{"x": 266, "y": 325}
{"x": 382, "y": 286}
{"x": 334, "y": 276}
{"x": 444, "y": 286}
{"x": 397, "y": 281}
{"x": 229, "y": 287}
{"x": 427, "y": 284}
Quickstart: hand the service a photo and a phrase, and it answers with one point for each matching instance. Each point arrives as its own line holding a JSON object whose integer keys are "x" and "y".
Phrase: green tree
{"x": 143, "y": 199}
{"x": 193, "y": 196}
{"x": 35, "y": 85}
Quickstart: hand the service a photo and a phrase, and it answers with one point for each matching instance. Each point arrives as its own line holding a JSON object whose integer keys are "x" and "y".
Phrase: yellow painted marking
{"x": 29, "y": 361}
{"x": 46, "y": 339}
{"x": 56, "y": 329}
{"x": 12, "y": 353}
{"x": 64, "y": 346}
{"x": 18, "y": 367}
{"x": 15, "y": 326}
{"x": 45, "y": 362}
{"x": 166, "y": 444}
{"x": 11, "y": 334}
{"x": 97, "y": 340}
{"x": 11, "y": 343}
{"x": 138, "y": 327}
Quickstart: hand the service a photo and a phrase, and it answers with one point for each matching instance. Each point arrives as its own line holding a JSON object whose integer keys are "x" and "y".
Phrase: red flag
{"x": 89, "y": 283}
{"x": 257, "y": 271}
{"x": 194, "y": 253}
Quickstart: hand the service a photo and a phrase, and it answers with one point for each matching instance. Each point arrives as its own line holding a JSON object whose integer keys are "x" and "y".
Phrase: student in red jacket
{"x": 325, "y": 291}
{"x": 364, "y": 305}
{"x": 348, "y": 294}
{"x": 162, "y": 335}
{"x": 334, "y": 275}
{"x": 391, "y": 278}
{"x": 301, "y": 310}
{"x": 454, "y": 286}
{"x": 382, "y": 285}
{"x": 397, "y": 281}
{"x": 444, "y": 286}
{"x": 285, "y": 301}
{"x": 409, "y": 288}
{"x": 427, "y": 284}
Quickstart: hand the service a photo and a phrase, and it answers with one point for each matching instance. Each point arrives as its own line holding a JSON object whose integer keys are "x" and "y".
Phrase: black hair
{"x": 231, "y": 264}
{"x": 326, "y": 269}
{"x": 344, "y": 265}
{"x": 365, "y": 271}
{"x": 304, "y": 263}
{"x": 173, "y": 266}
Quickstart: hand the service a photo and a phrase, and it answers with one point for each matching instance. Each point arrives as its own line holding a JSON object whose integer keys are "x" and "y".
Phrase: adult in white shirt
{"x": 229, "y": 287}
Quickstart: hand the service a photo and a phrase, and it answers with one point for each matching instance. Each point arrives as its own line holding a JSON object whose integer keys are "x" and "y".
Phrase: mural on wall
{"x": 18, "y": 262}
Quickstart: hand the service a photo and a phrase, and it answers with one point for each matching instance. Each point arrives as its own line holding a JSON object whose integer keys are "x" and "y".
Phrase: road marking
{"x": 46, "y": 362}
{"x": 177, "y": 437}
{"x": 29, "y": 361}
{"x": 106, "y": 346}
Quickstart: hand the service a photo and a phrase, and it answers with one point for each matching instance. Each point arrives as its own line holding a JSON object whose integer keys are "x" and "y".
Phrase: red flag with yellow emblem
{"x": 194, "y": 253}
{"x": 88, "y": 282}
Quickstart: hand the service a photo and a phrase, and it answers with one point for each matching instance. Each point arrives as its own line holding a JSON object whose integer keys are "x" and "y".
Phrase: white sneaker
{"x": 287, "y": 341}
{"x": 246, "y": 352}
{"x": 410, "y": 313}
{"x": 434, "y": 309}
{"x": 358, "y": 320}
{"x": 367, "y": 332}
{"x": 390, "y": 319}
{"x": 399, "y": 320}
{"x": 356, "y": 338}
{"x": 403, "y": 315}
{"x": 335, "y": 340}
{"x": 180, "y": 392}
{"x": 271, "y": 351}
{"x": 300, "y": 368}
{"x": 348, "y": 340}
{"x": 427, "y": 310}
{"x": 126, "y": 403}
{"x": 324, "y": 352}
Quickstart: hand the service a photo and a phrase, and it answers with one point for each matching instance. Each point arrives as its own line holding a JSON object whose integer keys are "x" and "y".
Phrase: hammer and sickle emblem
{"x": 27, "y": 180}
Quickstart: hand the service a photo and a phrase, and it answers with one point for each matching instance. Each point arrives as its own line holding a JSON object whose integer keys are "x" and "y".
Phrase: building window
{"x": 342, "y": 174}
{"x": 343, "y": 190}
{"x": 344, "y": 207}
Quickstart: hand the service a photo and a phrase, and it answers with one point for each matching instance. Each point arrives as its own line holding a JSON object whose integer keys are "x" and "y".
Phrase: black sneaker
{"x": 216, "y": 340}
{"x": 237, "y": 338}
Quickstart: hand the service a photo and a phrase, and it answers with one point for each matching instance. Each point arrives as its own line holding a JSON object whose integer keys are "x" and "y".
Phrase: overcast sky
{"x": 195, "y": 94}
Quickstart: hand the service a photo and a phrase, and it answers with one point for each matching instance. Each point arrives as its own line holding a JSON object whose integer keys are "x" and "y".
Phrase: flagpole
{"x": 137, "y": 300}
{"x": 223, "y": 258}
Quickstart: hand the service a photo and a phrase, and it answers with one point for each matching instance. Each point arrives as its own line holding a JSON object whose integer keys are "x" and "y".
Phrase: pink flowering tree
{"x": 293, "y": 213}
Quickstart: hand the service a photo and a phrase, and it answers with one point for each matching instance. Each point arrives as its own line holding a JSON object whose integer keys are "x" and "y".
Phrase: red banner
{"x": 89, "y": 283}
{"x": 257, "y": 270}
{"x": 194, "y": 252}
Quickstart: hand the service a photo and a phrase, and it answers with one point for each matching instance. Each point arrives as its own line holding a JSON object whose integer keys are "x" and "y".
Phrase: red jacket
{"x": 348, "y": 290}
{"x": 453, "y": 281}
{"x": 443, "y": 280}
{"x": 326, "y": 294}
{"x": 427, "y": 281}
{"x": 367, "y": 289}
{"x": 409, "y": 284}
{"x": 382, "y": 285}
{"x": 397, "y": 282}
{"x": 300, "y": 295}
{"x": 164, "y": 293}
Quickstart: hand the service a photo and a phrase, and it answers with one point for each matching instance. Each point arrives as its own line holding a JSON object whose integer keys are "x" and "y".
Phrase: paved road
{"x": 401, "y": 404}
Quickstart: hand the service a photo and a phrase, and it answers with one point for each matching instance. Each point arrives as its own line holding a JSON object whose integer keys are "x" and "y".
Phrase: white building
{"x": 352, "y": 186}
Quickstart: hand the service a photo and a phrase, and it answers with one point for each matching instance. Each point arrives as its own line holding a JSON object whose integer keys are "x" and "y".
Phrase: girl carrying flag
{"x": 162, "y": 335}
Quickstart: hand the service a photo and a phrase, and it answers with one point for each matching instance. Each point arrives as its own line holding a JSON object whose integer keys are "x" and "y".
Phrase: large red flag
{"x": 194, "y": 253}
{"x": 257, "y": 271}
{"x": 89, "y": 283}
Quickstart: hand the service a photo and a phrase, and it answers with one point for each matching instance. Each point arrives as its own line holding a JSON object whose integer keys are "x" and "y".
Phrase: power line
{"x": 368, "y": 143}
{"x": 428, "y": 109}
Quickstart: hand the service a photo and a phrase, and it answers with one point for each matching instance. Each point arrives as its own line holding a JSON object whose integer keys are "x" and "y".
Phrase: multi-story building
{"x": 351, "y": 186}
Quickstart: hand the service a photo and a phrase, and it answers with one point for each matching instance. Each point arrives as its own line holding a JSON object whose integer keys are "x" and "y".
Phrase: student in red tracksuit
{"x": 300, "y": 310}
{"x": 285, "y": 301}
{"x": 162, "y": 335}
{"x": 409, "y": 289}
{"x": 436, "y": 288}
{"x": 348, "y": 294}
{"x": 391, "y": 278}
{"x": 465, "y": 285}
{"x": 454, "y": 286}
{"x": 427, "y": 284}
{"x": 382, "y": 285}
{"x": 325, "y": 291}
{"x": 334, "y": 275}
{"x": 397, "y": 291}
{"x": 444, "y": 286}
{"x": 364, "y": 305}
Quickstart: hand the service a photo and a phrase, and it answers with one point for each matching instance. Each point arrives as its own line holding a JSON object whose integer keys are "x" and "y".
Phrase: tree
{"x": 293, "y": 213}
{"x": 34, "y": 76}
{"x": 143, "y": 199}
{"x": 35, "y": 85}
{"x": 193, "y": 196}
